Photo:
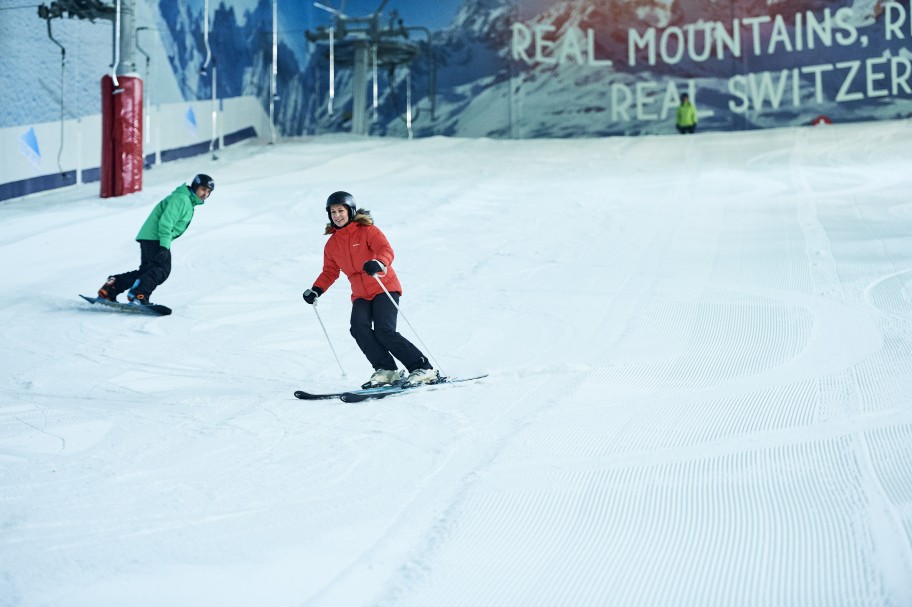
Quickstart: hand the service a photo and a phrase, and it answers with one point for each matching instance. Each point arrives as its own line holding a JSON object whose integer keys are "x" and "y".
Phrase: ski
{"x": 149, "y": 310}
{"x": 310, "y": 396}
{"x": 333, "y": 395}
{"x": 357, "y": 396}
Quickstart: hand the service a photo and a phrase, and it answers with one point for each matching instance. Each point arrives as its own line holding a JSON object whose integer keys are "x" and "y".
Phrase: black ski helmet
{"x": 343, "y": 198}
{"x": 203, "y": 180}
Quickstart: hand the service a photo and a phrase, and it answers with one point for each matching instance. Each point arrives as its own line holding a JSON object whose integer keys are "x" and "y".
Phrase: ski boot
{"x": 422, "y": 376}
{"x": 382, "y": 377}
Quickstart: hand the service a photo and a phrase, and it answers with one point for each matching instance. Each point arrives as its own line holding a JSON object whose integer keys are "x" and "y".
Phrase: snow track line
{"x": 793, "y": 531}
{"x": 892, "y": 295}
{"x": 423, "y": 521}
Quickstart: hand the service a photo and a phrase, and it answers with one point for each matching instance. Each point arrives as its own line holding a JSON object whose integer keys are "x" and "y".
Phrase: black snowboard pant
{"x": 373, "y": 325}
{"x": 154, "y": 268}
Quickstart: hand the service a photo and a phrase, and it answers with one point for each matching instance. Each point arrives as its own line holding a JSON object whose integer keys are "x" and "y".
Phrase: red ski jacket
{"x": 347, "y": 249}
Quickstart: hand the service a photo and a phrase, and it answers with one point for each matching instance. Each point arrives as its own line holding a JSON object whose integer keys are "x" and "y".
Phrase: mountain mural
{"x": 242, "y": 54}
{"x": 617, "y": 67}
{"x": 509, "y": 68}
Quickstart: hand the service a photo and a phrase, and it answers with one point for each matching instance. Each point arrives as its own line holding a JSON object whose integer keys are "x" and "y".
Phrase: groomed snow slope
{"x": 700, "y": 391}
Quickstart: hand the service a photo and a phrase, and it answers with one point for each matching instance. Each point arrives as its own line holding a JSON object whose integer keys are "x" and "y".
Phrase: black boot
{"x": 107, "y": 289}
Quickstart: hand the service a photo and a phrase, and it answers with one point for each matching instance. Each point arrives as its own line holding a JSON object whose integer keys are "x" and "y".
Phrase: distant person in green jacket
{"x": 686, "y": 119}
{"x": 168, "y": 220}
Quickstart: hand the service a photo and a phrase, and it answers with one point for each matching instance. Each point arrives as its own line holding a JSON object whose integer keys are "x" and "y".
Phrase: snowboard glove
{"x": 373, "y": 267}
{"x": 311, "y": 295}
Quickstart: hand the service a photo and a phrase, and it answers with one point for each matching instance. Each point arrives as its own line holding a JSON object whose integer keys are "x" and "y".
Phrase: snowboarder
{"x": 686, "y": 116}
{"x": 168, "y": 220}
{"x": 357, "y": 248}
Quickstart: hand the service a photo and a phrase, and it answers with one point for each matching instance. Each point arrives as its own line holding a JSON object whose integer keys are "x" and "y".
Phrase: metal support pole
{"x": 376, "y": 104}
{"x": 214, "y": 138}
{"x": 206, "y": 36}
{"x": 62, "y": 91}
{"x": 332, "y": 70}
{"x": 152, "y": 132}
{"x": 408, "y": 101}
{"x": 116, "y": 63}
{"x": 275, "y": 68}
{"x": 359, "y": 88}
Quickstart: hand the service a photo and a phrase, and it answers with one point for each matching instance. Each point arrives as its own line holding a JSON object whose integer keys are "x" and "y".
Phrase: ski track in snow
{"x": 700, "y": 352}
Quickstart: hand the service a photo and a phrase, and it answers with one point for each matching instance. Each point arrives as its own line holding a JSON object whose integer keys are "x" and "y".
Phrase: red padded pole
{"x": 121, "y": 136}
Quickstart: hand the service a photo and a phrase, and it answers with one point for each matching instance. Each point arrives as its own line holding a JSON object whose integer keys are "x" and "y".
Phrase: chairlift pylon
{"x": 359, "y": 42}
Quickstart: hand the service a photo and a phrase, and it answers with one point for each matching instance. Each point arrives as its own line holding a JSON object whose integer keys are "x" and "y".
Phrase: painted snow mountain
{"x": 240, "y": 49}
{"x": 473, "y": 79}
{"x": 590, "y": 87}
{"x": 481, "y": 77}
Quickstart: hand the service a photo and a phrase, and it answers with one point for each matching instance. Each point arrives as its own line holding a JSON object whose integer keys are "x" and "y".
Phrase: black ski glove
{"x": 311, "y": 295}
{"x": 373, "y": 267}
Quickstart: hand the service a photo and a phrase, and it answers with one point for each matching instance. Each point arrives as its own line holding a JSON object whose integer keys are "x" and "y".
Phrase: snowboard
{"x": 149, "y": 310}
{"x": 357, "y": 396}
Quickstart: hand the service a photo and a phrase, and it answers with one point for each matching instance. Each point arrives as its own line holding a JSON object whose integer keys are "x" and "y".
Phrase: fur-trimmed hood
{"x": 362, "y": 216}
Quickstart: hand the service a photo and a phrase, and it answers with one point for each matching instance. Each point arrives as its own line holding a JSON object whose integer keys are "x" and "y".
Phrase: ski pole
{"x": 320, "y": 320}
{"x": 421, "y": 341}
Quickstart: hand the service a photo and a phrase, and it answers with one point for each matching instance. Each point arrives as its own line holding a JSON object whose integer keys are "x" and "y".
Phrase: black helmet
{"x": 342, "y": 198}
{"x": 203, "y": 180}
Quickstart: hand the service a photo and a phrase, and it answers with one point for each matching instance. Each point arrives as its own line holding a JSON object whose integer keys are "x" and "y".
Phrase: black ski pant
{"x": 154, "y": 269}
{"x": 373, "y": 325}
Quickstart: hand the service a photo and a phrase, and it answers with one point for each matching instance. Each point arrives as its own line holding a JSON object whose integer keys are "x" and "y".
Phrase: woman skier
{"x": 357, "y": 248}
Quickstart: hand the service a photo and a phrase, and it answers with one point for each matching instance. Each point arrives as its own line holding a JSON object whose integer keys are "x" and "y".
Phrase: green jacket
{"x": 170, "y": 217}
{"x": 687, "y": 114}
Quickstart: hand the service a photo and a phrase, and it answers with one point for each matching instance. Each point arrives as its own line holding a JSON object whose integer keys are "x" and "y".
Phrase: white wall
{"x": 167, "y": 128}
{"x": 81, "y": 145}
